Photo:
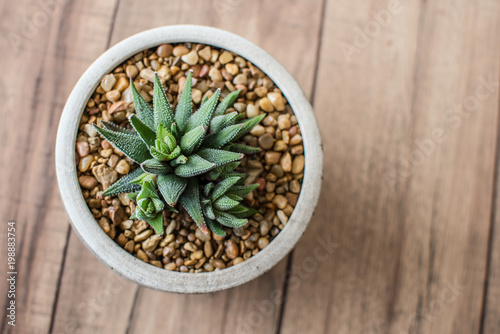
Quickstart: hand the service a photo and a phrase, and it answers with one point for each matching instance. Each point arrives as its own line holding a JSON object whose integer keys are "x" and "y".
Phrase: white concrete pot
{"x": 111, "y": 253}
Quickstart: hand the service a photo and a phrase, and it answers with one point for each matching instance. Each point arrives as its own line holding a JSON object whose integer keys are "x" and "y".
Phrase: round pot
{"x": 111, "y": 253}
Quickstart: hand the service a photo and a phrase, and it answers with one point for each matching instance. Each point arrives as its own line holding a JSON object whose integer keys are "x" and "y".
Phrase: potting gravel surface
{"x": 278, "y": 168}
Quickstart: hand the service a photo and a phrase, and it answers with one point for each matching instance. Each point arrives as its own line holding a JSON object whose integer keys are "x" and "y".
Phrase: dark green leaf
{"x": 227, "y": 102}
{"x": 112, "y": 126}
{"x": 147, "y": 135}
{"x": 184, "y": 108}
{"x": 142, "y": 108}
{"x": 229, "y": 220}
{"x": 220, "y": 122}
{"x": 208, "y": 211}
{"x": 221, "y": 138}
{"x": 241, "y": 211}
{"x": 242, "y": 191}
{"x": 157, "y": 223}
{"x": 219, "y": 157}
{"x": 195, "y": 165}
{"x": 216, "y": 228}
{"x": 190, "y": 200}
{"x": 171, "y": 187}
{"x": 204, "y": 114}
{"x": 248, "y": 125}
{"x": 163, "y": 113}
{"x": 129, "y": 144}
{"x": 225, "y": 203}
{"x": 123, "y": 185}
{"x": 245, "y": 149}
{"x": 193, "y": 139}
{"x": 223, "y": 186}
{"x": 154, "y": 166}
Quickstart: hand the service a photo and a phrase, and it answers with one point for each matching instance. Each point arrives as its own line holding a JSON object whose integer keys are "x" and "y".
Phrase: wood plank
{"x": 41, "y": 61}
{"x": 402, "y": 244}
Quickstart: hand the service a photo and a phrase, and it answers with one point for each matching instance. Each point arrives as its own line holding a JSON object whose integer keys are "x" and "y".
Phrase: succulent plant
{"x": 181, "y": 154}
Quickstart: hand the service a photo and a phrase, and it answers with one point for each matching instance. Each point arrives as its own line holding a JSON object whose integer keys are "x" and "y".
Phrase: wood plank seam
{"x": 493, "y": 215}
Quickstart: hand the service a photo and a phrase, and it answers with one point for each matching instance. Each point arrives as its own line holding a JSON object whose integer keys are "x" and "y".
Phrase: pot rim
{"x": 106, "y": 249}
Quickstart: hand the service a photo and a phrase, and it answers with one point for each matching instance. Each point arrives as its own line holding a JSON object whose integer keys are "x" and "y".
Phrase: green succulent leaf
{"x": 242, "y": 191}
{"x": 163, "y": 113}
{"x": 157, "y": 223}
{"x": 227, "y": 102}
{"x": 245, "y": 149}
{"x": 241, "y": 211}
{"x": 225, "y": 203}
{"x": 147, "y": 135}
{"x": 204, "y": 114}
{"x": 223, "y": 186}
{"x": 219, "y": 157}
{"x": 229, "y": 220}
{"x": 248, "y": 125}
{"x": 190, "y": 200}
{"x": 223, "y": 137}
{"x": 142, "y": 108}
{"x": 208, "y": 211}
{"x": 180, "y": 160}
{"x": 216, "y": 228}
{"x": 184, "y": 108}
{"x": 208, "y": 189}
{"x": 220, "y": 122}
{"x": 193, "y": 139}
{"x": 129, "y": 144}
{"x": 166, "y": 136}
{"x": 159, "y": 151}
{"x": 154, "y": 166}
{"x": 112, "y": 126}
{"x": 148, "y": 189}
{"x": 124, "y": 185}
{"x": 195, "y": 165}
{"x": 171, "y": 187}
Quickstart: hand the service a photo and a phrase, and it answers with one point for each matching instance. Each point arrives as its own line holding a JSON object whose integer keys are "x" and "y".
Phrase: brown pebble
{"x": 231, "y": 249}
{"x": 164, "y": 50}
{"x": 273, "y": 158}
{"x": 83, "y": 149}
{"x": 262, "y": 243}
{"x": 286, "y": 162}
{"x": 266, "y": 141}
{"x": 298, "y": 164}
{"x": 87, "y": 182}
{"x": 141, "y": 255}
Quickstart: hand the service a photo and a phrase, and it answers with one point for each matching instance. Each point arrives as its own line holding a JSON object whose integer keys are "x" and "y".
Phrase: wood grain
{"x": 393, "y": 248}
{"x": 402, "y": 244}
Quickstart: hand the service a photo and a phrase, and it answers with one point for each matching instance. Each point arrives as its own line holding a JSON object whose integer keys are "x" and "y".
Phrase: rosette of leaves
{"x": 178, "y": 148}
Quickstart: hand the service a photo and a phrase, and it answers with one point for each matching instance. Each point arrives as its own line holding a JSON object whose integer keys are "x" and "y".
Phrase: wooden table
{"x": 406, "y": 238}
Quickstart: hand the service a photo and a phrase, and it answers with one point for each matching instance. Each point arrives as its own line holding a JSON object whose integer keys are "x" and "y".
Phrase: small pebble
{"x": 298, "y": 164}
{"x": 225, "y": 57}
{"x": 272, "y": 158}
{"x": 165, "y": 50}
{"x": 266, "y": 105}
{"x": 266, "y": 141}
{"x": 190, "y": 58}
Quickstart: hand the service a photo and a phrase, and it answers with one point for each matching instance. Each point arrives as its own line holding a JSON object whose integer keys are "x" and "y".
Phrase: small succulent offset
{"x": 187, "y": 157}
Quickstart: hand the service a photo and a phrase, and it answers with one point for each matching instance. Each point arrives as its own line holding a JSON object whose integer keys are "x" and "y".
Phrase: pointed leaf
{"x": 204, "y": 114}
{"x": 166, "y": 136}
{"x": 190, "y": 200}
{"x": 147, "y": 135}
{"x": 241, "y": 211}
{"x": 219, "y": 157}
{"x": 248, "y": 125}
{"x": 225, "y": 203}
{"x": 123, "y": 185}
{"x": 242, "y": 191}
{"x": 208, "y": 188}
{"x": 129, "y": 144}
{"x": 195, "y": 165}
{"x": 142, "y": 108}
{"x": 229, "y": 220}
{"x": 193, "y": 139}
{"x": 223, "y": 186}
{"x": 245, "y": 149}
{"x": 154, "y": 166}
{"x": 223, "y": 137}
{"x": 180, "y": 160}
{"x": 157, "y": 223}
{"x": 184, "y": 108}
{"x": 163, "y": 113}
{"x": 171, "y": 187}
{"x": 208, "y": 211}
{"x": 220, "y": 122}
{"x": 227, "y": 102}
{"x": 116, "y": 128}
{"x": 216, "y": 228}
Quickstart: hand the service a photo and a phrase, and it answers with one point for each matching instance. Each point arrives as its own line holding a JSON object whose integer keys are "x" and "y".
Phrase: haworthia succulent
{"x": 174, "y": 150}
